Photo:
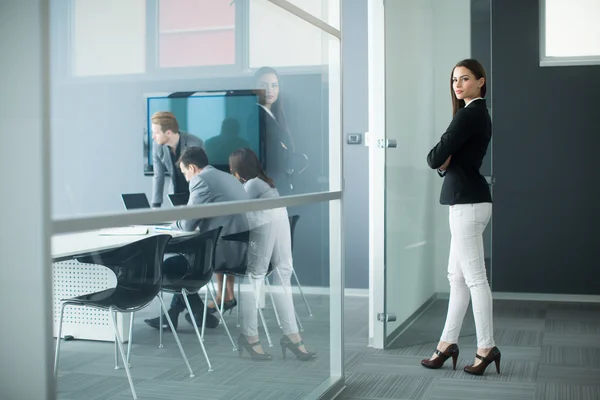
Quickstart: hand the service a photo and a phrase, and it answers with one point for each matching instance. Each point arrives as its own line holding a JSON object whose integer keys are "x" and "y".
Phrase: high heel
{"x": 493, "y": 356}
{"x": 451, "y": 352}
{"x": 287, "y": 344}
{"x": 228, "y": 305}
{"x": 243, "y": 344}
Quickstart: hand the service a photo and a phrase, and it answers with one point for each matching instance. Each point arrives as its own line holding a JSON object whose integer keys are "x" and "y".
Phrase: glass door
{"x": 419, "y": 57}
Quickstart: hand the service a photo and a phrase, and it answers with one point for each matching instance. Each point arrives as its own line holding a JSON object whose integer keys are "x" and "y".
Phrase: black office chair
{"x": 138, "y": 268}
{"x": 199, "y": 251}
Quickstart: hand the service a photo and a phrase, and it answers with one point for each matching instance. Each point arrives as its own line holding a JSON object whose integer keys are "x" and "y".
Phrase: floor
{"x": 551, "y": 351}
{"x": 86, "y": 370}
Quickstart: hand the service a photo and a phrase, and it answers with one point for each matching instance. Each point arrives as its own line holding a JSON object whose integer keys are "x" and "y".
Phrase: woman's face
{"x": 466, "y": 86}
{"x": 270, "y": 84}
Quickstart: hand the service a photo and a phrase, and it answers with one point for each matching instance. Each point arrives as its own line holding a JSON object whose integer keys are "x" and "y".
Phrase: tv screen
{"x": 224, "y": 120}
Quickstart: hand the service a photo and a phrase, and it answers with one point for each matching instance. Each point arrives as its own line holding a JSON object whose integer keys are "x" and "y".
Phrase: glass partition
{"x": 137, "y": 88}
{"x": 264, "y": 299}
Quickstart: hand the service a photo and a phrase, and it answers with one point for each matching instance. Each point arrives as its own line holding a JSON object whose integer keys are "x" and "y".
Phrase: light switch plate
{"x": 354, "y": 138}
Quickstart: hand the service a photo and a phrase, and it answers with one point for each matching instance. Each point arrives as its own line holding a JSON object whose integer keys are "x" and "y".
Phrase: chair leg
{"x": 239, "y": 299}
{"x": 175, "y": 335}
{"x": 189, "y": 308}
{"x": 223, "y": 291}
{"x": 273, "y": 301}
{"x": 290, "y": 294}
{"x": 260, "y": 313}
{"x": 302, "y": 292}
{"x": 58, "y": 337}
{"x": 160, "y": 323}
{"x": 116, "y": 344}
{"x": 122, "y": 351}
{"x": 205, "y": 310}
{"x": 130, "y": 340}
{"x": 204, "y": 316}
{"x": 221, "y": 316}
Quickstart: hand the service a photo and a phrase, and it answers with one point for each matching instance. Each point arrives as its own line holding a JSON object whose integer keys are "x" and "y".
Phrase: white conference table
{"x": 71, "y": 278}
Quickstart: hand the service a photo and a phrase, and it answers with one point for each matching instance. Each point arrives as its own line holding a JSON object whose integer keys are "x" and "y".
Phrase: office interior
{"x": 76, "y": 103}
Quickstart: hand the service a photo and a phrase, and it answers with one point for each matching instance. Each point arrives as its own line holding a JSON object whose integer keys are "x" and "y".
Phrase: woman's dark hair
{"x": 477, "y": 69}
{"x": 194, "y": 156}
{"x": 245, "y": 163}
{"x": 277, "y": 108}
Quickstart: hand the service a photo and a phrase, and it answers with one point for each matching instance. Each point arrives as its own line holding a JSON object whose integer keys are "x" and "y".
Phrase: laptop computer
{"x": 179, "y": 199}
{"x": 136, "y": 201}
{"x": 133, "y": 201}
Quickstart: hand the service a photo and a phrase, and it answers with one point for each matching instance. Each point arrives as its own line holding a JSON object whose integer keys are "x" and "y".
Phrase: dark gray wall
{"x": 356, "y": 157}
{"x": 546, "y": 140}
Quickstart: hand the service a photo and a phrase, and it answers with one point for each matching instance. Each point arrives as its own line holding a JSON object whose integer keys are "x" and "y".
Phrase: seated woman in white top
{"x": 270, "y": 242}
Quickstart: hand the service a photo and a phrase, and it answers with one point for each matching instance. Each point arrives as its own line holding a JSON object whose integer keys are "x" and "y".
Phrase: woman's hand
{"x": 445, "y": 164}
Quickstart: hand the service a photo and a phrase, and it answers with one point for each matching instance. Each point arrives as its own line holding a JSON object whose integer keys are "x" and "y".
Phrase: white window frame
{"x": 240, "y": 68}
{"x": 547, "y": 61}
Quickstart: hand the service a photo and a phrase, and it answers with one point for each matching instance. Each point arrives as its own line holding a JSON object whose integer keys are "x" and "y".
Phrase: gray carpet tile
{"x": 574, "y": 314}
{"x": 93, "y": 387}
{"x": 452, "y": 389}
{"x": 386, "y": 386}
{"x": 572, "y": 327}
{"x": 510, "y": 371}
{"x": 571, "y": 356}
{"x": 521, "y": 324}
{"x": 508, "y": 337}
{"x": 570, "y": 375}
{"x": 569, "y": 339}
{"x": 561, "y": 391}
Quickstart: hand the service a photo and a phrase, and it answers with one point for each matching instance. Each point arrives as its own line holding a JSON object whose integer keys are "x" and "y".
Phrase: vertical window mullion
{"x": 152, "y": 36}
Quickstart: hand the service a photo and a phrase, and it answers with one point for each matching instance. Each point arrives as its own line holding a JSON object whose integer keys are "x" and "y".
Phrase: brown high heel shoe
{"x": 493, "y": 356}
{"x": 451, "y": 351}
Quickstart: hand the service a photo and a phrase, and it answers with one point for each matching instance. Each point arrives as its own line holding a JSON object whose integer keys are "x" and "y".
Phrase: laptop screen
{"x": 179, "y": 199}
{"x": 134, "y": 201}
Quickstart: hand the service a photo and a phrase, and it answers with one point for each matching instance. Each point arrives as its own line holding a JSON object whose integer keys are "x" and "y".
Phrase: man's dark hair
{"x": 194, "y": 156}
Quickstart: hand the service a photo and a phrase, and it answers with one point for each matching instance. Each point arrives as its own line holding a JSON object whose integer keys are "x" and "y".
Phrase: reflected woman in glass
{"x": 270, "y": 243}
{"x": 277, "y": 140}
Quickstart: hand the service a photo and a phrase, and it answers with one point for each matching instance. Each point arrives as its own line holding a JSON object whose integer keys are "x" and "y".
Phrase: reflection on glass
{"x": 197, "y": 69}
{"x": 281, "y": 158}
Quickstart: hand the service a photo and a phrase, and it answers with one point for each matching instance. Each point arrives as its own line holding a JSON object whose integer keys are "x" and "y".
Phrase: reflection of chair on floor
{"x": 138, "y": 268}
{"x": 199, "y": 252}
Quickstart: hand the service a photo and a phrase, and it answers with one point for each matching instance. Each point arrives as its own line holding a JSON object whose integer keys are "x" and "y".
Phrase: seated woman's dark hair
{"x": 245, "y": 163}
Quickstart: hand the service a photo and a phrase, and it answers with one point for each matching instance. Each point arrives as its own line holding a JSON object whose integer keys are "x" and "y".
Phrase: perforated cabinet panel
{"x": 70, "y": 279}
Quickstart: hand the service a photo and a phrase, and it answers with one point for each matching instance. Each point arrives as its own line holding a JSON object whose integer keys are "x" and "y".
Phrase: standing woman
{"x": 458, "y": 157}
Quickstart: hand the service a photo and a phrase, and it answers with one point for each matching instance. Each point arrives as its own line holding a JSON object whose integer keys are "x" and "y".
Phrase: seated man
{"x": 207, "y": 185}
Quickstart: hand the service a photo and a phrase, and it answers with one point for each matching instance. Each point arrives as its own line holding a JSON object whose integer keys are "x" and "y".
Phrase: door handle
{"x": 386, "y": 143}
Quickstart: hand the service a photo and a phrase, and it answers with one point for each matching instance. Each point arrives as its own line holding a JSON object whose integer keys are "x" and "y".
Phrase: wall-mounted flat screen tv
{"x": 224, "y": 120}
